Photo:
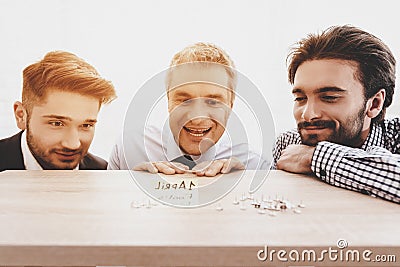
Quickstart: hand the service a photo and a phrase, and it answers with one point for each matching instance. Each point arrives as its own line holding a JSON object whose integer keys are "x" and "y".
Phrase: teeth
{"x": 197, "y": 135}
{"x": 197, "y": 132}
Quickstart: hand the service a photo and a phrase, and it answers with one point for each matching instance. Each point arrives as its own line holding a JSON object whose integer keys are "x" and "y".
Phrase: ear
{"x": 170, "y": 107}
{"x": 375, "y": 104}
{"x": 232, "y": 98}
{"x": 231, "y": 104}
{"x": 20, "y": 115}
{"x": 168, "y": 101}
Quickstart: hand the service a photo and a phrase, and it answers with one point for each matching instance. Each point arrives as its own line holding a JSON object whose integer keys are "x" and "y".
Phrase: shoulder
{"x": 151, "y": 134}
{"x": 92, "y": 162}
{"x": 393, "y": 125}
{"x": 11, "y": 145}
{"x": 11, "y": 141}
{"x": 392, "y": 134}
{"x": 10, "y": 153}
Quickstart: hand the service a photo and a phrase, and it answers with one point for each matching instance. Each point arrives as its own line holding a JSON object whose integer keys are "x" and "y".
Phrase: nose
{"x": 310, "y": 111}
{"x": 197, "y": 112}
{"x": 71, "y": 139}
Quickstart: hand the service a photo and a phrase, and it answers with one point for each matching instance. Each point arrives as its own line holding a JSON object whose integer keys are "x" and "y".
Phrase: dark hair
{"x": 376, "y": 63}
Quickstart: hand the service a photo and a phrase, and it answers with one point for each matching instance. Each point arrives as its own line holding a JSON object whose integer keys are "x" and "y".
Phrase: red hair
{"x": 64, "y": 71}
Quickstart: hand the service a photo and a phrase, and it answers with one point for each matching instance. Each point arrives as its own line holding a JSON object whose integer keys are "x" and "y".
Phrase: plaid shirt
{"x": 373, "y": 169}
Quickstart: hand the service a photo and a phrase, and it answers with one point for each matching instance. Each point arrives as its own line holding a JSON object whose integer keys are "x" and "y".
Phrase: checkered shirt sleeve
{"x": 372, "y": 170}
{"x": 283, "y": 140}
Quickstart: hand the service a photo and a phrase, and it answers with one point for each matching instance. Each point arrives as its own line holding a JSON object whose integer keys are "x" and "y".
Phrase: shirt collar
{"x": 30, "y": 162}
{"x": 375, "y": 137}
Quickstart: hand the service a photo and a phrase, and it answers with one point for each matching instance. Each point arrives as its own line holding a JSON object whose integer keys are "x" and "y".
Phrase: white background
{"x": 130, "y": 41}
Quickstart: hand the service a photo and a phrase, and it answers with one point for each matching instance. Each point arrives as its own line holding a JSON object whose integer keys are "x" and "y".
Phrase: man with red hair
{"x": 61, "y": 98}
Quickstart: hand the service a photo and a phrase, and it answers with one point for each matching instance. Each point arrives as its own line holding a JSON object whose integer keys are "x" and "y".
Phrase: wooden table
{"x": 85, "y": 218}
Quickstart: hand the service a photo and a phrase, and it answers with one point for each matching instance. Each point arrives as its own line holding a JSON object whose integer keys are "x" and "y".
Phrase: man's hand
{"x": 212, "y": 168}
{"x": 296, "y": 158}
{"x": 162, "y": 166}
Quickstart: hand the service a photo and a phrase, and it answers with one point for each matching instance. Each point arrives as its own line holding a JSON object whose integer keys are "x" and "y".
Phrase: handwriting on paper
{"x": 182, "y": 185}
{"x": 179, "y": 192}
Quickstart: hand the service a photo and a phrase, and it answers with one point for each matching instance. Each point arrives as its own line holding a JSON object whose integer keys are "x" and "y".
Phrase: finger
{"x": 200, "y": 173}
{"x": 227, "y": 166}
{"x": 214, "y": 168}
{"x": 201, "y": 168}
{"x": 146, "y": 166}
{"x": 178, "y": 167}
{"x": 232, "y": 164}
{"x": 164, "y": 168}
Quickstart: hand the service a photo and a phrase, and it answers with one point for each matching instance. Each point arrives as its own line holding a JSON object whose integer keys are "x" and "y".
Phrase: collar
{"x": 375, "y": 137}
{"x": 30, "y": 162}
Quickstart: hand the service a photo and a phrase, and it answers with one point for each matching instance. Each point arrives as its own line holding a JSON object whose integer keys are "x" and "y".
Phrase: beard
{"x": 347, "y": 133}
{"x": 43, "y": 155}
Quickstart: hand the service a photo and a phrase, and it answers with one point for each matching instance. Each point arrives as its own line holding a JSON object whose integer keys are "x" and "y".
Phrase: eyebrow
{"x": 320, "y": 90}
{"x": 58, "y": 117}
{"x": 215, "y": 96}
{"x": 184, "y": 94}
{"x": 91, "y": 120}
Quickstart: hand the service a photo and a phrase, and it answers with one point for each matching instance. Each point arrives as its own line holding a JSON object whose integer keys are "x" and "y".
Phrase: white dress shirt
{"x": 30, "y": 162}
{"x": 154, "y": 144}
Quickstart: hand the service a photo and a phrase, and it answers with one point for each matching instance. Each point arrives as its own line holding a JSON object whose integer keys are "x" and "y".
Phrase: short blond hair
{"x": 64, "y": 71}
{"x": 208, "y": 53}
{"x": 202, "y": 52}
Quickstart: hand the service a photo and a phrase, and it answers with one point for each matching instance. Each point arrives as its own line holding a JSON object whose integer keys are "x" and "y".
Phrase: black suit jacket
{"x": 11, "y": 156}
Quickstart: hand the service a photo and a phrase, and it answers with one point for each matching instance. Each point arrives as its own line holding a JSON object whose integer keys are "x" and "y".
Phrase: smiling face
{"x": 329, "y": 103}
{"x": 199, "y": 111}
{"x": 61, "y": 129}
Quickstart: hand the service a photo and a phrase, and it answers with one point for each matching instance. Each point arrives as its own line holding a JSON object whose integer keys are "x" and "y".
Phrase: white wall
{"x": 130, "y": 41}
